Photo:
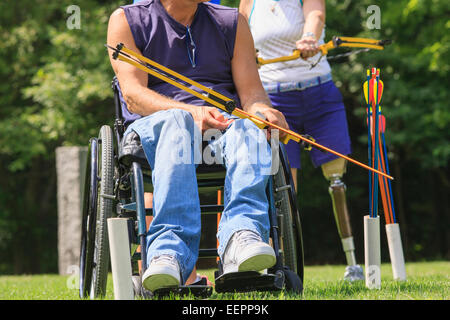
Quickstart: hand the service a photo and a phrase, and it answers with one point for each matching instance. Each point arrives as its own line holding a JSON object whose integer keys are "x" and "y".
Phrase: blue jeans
{"x": 172, "y": 145}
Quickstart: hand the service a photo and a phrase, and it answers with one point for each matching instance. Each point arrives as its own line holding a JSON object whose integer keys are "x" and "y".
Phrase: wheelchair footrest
{"x": 249, "y": 281}
{"x": 200, "y": 291}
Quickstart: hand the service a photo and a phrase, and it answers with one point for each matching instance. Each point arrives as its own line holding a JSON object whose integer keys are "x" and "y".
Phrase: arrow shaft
{"x": 391, "y": 202}
{"x": 385, "y": 197}
{"x": 369, "y": 142}
{"x": 375, "y": 151}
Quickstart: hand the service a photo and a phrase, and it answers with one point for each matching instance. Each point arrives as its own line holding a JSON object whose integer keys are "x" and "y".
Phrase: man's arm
{"x": 246, "y": 78}
{"x": 133, "y": 82}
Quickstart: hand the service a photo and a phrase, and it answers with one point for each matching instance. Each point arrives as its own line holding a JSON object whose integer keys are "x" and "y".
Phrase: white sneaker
{"x": 247, "y": 252}
{"x": 163, "y": 272}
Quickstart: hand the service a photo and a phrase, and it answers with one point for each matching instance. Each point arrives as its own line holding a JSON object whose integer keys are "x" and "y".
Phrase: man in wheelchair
{"x": 212, "y": 45}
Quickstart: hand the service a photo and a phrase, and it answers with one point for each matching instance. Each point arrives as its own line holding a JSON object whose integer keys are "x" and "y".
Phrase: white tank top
{"x": 276, "y": 25}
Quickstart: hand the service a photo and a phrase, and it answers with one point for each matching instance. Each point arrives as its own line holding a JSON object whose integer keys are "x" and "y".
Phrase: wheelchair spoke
{"x": 282, "y": 188}
{"x": 108, "y": 196}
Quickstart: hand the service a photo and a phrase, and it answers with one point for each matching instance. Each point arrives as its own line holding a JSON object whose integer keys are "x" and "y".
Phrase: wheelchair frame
{"x": 115, "y": 184}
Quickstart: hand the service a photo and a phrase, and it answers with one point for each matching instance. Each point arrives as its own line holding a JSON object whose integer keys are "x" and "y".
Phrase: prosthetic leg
{"x": 333, "y": 172}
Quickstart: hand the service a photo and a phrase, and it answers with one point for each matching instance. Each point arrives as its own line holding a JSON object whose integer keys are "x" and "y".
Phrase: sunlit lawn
{"x": 426, "y": 280}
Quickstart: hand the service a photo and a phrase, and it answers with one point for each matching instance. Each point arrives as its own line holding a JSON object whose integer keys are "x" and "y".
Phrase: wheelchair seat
{"x": 131, "y": 150}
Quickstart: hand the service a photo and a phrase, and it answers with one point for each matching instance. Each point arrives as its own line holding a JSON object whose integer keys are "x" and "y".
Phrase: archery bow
{"x": 216, "y": 99}
{"x": 335, "y": 42}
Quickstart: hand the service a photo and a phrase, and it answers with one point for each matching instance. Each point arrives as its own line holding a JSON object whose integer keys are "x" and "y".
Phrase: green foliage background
{"x": 55, "y": 90}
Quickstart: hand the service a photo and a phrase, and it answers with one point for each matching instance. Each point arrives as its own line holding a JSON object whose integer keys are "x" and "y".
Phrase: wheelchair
{"x": 115, "y": 182}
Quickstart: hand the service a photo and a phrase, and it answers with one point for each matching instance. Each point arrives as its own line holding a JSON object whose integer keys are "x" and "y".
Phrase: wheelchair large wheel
{"x": 89, "y": 216}
{"x": 97, "y": 208}
{"x": 291, "y": 240}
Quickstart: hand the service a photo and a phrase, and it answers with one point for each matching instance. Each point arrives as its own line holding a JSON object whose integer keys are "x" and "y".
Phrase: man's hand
{"x": 272, "y": 115}
{"x": 308, "y": 47}
{"x": 209, "y": 118}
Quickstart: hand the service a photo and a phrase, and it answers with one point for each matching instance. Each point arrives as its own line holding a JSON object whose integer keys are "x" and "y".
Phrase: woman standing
{"x": 306, "y": 95}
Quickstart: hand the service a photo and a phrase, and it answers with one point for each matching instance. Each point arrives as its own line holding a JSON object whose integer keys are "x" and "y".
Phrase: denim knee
{"x": 182, "y": 117}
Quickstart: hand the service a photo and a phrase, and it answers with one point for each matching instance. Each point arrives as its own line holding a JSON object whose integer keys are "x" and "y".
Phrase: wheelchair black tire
{"x": 105, "y": 209}
{"x": 284, "y": 214}
{"x": 288, "y": 218}
{"x": 95, "y": 246}
{"x": 297, "y": 225}
{"x": 88, "y": 217}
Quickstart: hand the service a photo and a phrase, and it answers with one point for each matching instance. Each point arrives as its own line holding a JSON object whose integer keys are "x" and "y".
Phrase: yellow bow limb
{"x": 336, "y": 42}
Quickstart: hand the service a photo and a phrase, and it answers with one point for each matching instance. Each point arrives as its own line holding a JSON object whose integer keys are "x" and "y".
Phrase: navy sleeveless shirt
{"x": 201, "y": 51}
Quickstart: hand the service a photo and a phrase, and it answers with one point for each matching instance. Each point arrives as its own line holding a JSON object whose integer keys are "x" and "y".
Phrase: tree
{"x": 57, "y": 93}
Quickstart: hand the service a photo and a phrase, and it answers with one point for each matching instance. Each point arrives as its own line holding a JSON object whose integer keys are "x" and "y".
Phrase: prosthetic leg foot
{"x": 353, "y": 271}
{"x": 333, "y": 172}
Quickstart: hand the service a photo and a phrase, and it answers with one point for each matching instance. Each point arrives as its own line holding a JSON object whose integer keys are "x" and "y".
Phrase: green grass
{"x": 426, "y": 281}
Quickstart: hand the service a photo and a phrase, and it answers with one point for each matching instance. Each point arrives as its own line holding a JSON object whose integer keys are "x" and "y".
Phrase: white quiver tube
{"x": 396, "y": 251}
{"x": 119, "y": 244}
{"x": 372, "y": 252}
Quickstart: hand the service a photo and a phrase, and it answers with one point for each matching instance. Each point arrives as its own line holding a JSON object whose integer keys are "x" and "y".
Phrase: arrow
{"x": 382, "y": 123}
{"x": 375, "y": 146}
{"x": 372, "y": 89}
{"x": 369, "y": 138}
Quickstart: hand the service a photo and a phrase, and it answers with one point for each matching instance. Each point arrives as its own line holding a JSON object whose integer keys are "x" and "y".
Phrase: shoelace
{"x": 245, "y": 237}
{"x": 166, "y": 259}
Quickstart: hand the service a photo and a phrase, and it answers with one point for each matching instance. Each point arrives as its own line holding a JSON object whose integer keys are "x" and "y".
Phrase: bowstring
{"x": 338, "y": 56}
{"x": 347, "y": 54}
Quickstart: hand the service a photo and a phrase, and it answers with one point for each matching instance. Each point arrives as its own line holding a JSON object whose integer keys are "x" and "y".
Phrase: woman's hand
{"x": 308, "y": 47}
